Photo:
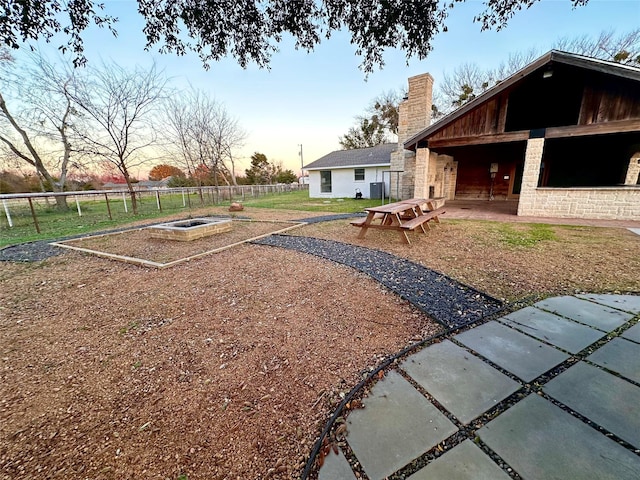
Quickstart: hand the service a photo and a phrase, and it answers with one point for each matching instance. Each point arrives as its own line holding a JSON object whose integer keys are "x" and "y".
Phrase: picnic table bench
{"x": 402, "y": 216}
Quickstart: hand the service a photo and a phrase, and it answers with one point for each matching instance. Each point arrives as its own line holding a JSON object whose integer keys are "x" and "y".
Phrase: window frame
{"x": 355, "y": 174}
{"x": 325, "y": 187}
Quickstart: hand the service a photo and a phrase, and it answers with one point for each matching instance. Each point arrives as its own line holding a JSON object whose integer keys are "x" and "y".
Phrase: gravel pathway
{"x": 445, "y": 300}
{"x": 328, "y": 218}
{"x": 30, "y": 252}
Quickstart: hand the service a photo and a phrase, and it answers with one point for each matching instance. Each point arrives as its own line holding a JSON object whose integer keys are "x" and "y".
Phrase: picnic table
{"x": 403, "y": 216}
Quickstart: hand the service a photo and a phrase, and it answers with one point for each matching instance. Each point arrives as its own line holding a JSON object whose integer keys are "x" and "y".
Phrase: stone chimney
{"x": 414, "y": 116}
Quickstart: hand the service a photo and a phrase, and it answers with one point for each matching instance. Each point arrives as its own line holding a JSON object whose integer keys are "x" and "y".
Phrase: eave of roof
{"x": 589, "y": 63}
{"x": 341, "y": 167}
{"x": 361, "y": 157}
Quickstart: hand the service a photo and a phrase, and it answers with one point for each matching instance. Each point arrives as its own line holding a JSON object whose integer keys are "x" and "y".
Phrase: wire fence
{"x": 38, "y": 213}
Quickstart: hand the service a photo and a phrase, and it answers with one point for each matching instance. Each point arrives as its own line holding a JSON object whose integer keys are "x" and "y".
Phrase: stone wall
{"x": 633, "y": 171}
{"x": 618, "y": 203}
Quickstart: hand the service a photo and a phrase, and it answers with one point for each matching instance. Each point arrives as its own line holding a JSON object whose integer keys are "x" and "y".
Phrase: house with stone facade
{"x": 561, "y": 137}
{"x": 343, "y": 173}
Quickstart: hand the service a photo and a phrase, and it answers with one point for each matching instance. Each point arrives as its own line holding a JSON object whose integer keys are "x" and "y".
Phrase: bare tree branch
{"x": 43, "y": 111}
{"x": 119, "y": 104}
{"x": 204, "y": 133}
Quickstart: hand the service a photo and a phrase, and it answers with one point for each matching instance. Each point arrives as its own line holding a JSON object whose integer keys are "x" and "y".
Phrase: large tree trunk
{"x": 61, "y": 200}
{"x": 132, "y": 192}
{"x": 33, "y": 157}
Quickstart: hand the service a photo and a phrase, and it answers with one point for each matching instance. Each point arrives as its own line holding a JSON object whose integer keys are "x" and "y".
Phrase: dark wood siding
{"x": 602, "y": 102}
{"x": 555, "y": 96}
{"x": 485, "y": 119}
{"x": 473, "y": 178}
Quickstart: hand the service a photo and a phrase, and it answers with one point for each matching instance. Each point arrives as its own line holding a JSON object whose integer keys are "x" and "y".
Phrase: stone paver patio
{"x": 543, "y": 393}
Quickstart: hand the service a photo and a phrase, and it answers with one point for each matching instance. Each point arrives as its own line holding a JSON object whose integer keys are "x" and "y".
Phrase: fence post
{"x": 158, "y": 200}
{"x": 78, "y": 205}
{"x": 184, "y": 203}
{"x": 6, "y": 212}
{"x": 108, "y": 207}
{"x": 124, "y": 199}
{"x": 33, "y": 214}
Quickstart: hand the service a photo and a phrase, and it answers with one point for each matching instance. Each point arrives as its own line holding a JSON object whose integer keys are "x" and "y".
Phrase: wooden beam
{"x": 594, "y": 129}
{"x": 480, "y": 139}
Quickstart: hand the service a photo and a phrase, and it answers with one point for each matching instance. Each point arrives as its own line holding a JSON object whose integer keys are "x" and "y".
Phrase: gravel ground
{"x": 228, "y": 367}
{"x": 445, "y": 300}
{"x": 221, "y": 368}
{"x": 29, "y": 252}
{"x": 328, "y": 218}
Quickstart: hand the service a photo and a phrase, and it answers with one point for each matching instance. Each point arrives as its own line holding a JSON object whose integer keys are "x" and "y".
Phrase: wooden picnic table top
{"x": 400, "y": 206}
{"x": 390, "y": 208}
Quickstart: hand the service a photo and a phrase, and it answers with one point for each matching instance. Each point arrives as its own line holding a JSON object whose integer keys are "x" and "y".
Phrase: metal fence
{"x": 38, "y": 211}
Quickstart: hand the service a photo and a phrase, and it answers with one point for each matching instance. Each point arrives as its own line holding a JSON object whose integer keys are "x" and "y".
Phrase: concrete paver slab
{"x": 464, "y": 462}
{"x": 633, "y": 333}
{"x": 620, "y": 356}
{"x": 336, "y": 467}
{"x": 397, "y": 425}
{"x": 628, "y": 303}
{"x": 589, "y": 313}
{"x": 516, "y": 353}
{"x": 543, "y": 442}
{"x": 607, "y": 400}
{"x": 568, "y": 335}
{"x": 465, "y": 385}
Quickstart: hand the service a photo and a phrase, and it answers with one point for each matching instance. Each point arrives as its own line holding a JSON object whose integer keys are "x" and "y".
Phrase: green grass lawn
{"x": 55, "y": 224}
{"x": 299, "y": 200}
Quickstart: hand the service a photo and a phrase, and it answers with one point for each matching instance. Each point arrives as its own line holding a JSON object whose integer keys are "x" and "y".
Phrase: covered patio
{"x": 561, "y": 138}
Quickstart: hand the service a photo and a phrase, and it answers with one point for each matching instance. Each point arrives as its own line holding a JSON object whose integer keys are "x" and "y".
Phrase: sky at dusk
{"x": 312, "y": 98}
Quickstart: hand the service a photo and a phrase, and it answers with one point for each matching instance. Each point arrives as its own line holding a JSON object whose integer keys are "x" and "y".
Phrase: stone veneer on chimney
{"x": 414, "y": 116}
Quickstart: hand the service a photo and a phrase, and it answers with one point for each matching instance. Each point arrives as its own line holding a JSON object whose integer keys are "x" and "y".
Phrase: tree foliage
{"x": 378, "y": 125}
{"x": 384, "y": 109}
{"x": 368, "y": 133}
{"x": 285, "y": 176}
{"x": 162, "y": 171}
{"x": 499, "y": 12}
{"x": 263, "y": 172}
{"x": 250, "y": 30}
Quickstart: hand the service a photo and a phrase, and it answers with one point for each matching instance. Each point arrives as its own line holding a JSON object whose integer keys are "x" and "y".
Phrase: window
{"x": 358, "y": 174}
{"x": 325, "y": 181}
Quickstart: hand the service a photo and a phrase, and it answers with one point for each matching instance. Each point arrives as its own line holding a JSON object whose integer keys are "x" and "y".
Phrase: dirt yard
{"x": 227, "y": 367}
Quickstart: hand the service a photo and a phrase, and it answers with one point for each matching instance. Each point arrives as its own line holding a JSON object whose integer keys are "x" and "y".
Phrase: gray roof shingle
{"x": 361, "y": 157}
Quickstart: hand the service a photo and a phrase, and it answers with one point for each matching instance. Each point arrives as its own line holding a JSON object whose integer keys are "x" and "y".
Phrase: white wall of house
{"x": 344, "y": 184}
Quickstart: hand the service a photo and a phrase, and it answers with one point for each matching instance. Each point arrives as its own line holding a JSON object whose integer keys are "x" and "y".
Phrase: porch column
{"x": 633, "y": 170}
{"x": 530, "y": 176}
{"x": 421, "y": 173}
